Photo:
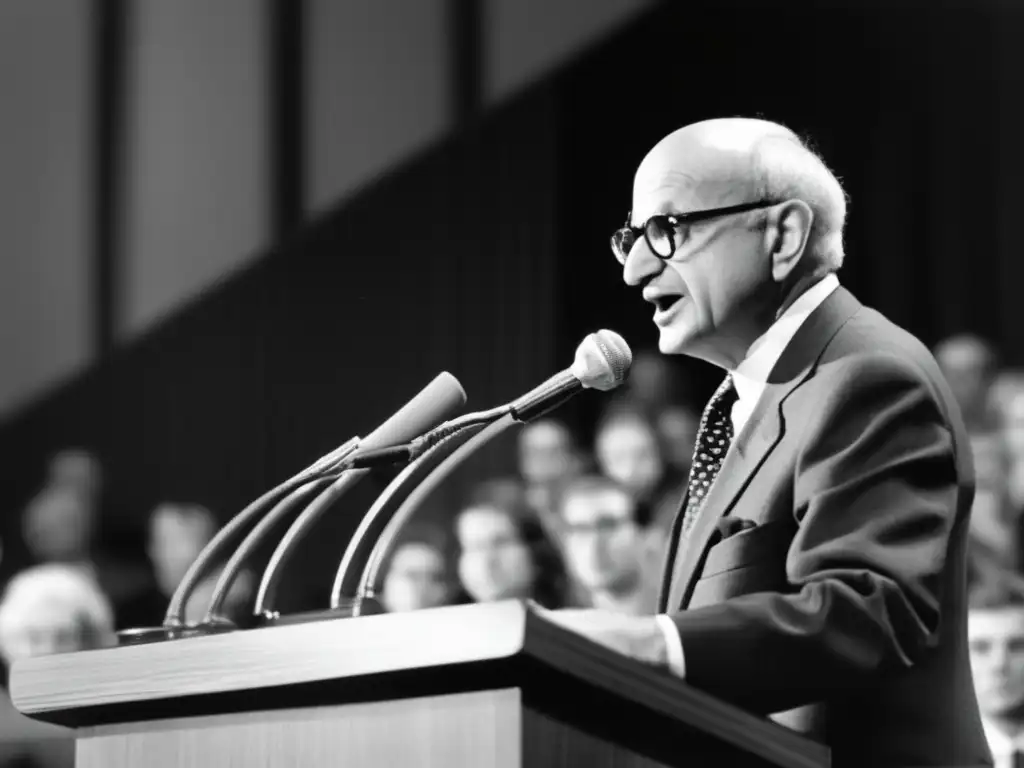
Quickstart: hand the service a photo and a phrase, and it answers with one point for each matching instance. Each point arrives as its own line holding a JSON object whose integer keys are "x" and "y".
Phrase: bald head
{"x": 730, "y": 161}
{"x": 738, "y": 219}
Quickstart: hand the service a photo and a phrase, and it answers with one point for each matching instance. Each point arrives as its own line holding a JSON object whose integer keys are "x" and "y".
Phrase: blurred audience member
{"x": 969, "y": 364}
{"x": 505, "y": 552}
{"x": 677, "y": 427}
{"x": 177, "y": 534}
{"x": 629, "y": 451}
{"x": 653, "y": 383}
{"x": 417, "y": 575}
{"x": 47, "y": 609}
{"x": 503, "y": 491}
{"x": 53, "y": 608}
{"x": 59, "y": 525}
{"x": 605, "y": 545}
{"x": 1008, "y": 402}
{"x": 78, "y": 469}
{"x": 995, "y": 526}
{"x": 547, "y": 452}
{"x": 548, "y": 457}
{"x": 1007, "y": 385}
{"x": 512, "y": 493}
{"x": 995, "y": 628}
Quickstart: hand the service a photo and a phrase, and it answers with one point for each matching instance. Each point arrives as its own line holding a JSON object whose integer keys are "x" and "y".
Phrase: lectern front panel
{"x": 471, "y": 730}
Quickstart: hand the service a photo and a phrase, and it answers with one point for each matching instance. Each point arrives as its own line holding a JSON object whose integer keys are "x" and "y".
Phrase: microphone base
{"x": 348, "y": 608}
{"x": 144, "y": 635}
{"x": 351, "y": 607}
{"x": 355, "y": 607}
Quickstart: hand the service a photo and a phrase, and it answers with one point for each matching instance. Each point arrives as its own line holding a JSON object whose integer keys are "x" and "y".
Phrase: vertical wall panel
{"x": 523, "y": 39}
{"x": 196, "y": 192}
{"x": 377, "y": 89}
{"x": 44, "y": 194}
{"x": 1008, "y": 194}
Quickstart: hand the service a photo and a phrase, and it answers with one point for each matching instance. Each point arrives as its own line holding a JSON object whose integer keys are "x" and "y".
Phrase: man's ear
{"x": 788, "y": 230}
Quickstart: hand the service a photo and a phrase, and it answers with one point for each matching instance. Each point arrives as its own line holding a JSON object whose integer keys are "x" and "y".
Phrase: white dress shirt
{"x": 750, "y": 379}
{"x": 1002, "y": 745}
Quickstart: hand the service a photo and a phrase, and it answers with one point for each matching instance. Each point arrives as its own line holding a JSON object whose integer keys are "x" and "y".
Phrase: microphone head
{"x": 602, "y": 361}
{"x": 434, "y": 403}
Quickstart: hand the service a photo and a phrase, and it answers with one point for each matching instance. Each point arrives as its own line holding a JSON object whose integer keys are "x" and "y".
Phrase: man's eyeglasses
{"x": 663, "y": 231}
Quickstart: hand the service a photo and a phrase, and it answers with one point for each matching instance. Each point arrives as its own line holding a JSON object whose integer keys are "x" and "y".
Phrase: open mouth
{"x": 666, "y": 302}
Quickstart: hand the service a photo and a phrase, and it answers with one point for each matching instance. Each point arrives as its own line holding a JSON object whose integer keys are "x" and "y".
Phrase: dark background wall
{"x": 151, "y": 149}
{"x": 918, "y": 107}
{"x": 323, "y": 338}
{"x": 487, "y": 254}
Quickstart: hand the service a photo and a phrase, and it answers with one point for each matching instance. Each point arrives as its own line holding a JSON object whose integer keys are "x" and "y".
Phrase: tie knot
{"x": 725, "y": 396}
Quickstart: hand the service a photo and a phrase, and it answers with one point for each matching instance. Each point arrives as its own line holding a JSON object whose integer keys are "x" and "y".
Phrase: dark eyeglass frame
{"x": 669, "y": 224}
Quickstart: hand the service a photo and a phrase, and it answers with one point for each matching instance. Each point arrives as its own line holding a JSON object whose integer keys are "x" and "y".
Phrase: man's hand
{"x": 638, "y": 637}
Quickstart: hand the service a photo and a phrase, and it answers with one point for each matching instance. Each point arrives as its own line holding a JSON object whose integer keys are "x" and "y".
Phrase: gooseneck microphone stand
{"x": 354, "y": 588}
{"x": 174, "y": 624}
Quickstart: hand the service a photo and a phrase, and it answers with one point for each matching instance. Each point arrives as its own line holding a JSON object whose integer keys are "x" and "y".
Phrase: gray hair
{"x": 787, "y": 168}
{"x": 67, "y": 595}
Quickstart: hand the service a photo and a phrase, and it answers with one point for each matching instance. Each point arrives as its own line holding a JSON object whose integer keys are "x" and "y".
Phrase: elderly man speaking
{"x": 816, "y": 570}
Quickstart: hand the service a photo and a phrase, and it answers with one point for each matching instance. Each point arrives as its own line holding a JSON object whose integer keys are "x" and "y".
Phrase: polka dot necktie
{"x": 713, "y": 438}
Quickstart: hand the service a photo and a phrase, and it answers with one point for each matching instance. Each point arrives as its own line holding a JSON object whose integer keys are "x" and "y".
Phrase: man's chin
{"x": 691, "y": 342}
{"x": 673, "y": 341}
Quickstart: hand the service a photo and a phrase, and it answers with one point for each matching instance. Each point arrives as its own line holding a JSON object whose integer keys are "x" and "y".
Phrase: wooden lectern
{"x": 475, "y": 686}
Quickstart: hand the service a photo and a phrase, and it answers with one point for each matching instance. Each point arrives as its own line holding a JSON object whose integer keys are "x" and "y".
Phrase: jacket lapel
{"x": 749, "y": 450}
{"x": 762, "y": 432}
{"x": 671, "y": 554}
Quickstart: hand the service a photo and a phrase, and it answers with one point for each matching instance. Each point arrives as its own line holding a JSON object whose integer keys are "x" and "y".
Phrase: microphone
{"x": 435, "y": 402}
{"x": 602, "y": 362}
{"x": 443, "y": 395}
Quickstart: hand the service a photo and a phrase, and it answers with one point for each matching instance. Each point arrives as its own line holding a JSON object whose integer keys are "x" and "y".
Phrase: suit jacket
{"x": 824, "y": 581}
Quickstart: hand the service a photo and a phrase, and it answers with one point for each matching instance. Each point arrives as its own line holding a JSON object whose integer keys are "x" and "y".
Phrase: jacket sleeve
{"x": 875, "y": 500}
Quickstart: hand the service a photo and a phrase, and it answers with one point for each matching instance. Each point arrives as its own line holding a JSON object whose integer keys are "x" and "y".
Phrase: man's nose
{"x": 641, "y": 264}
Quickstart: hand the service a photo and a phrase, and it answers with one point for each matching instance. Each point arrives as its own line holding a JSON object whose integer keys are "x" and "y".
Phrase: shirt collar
{"x": 752, "y": 373}
{"x": 998, "y": 741}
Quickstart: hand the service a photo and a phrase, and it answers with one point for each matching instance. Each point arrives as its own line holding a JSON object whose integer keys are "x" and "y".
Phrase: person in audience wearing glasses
{"x": 605, "y": 545}
{"x": 816, "y": 567}
{"x": 995, "y": 627}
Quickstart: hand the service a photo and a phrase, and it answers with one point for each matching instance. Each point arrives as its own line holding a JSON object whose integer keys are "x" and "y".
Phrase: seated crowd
{"x": 572, "y": 527}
